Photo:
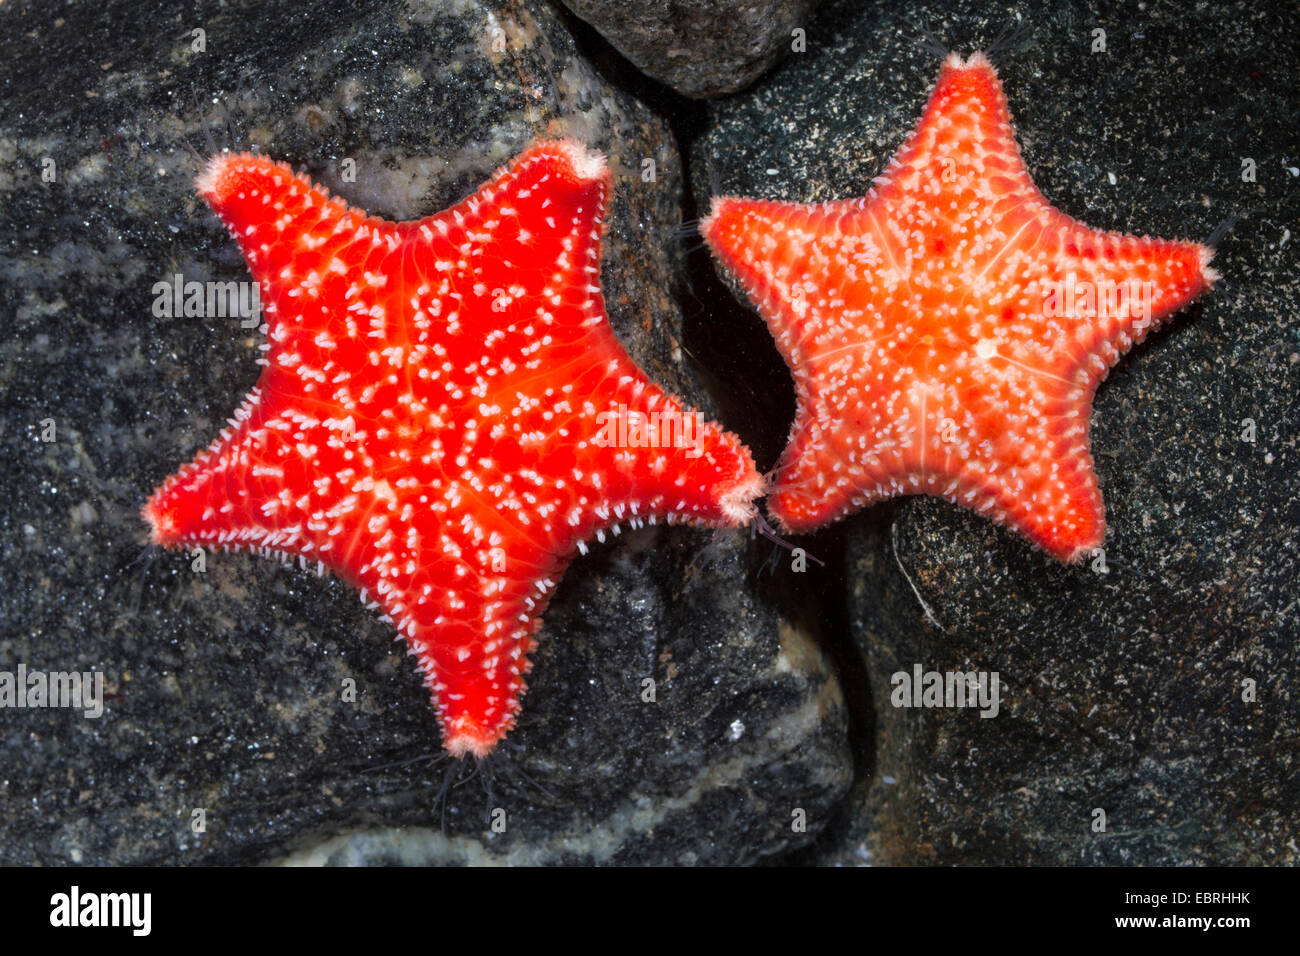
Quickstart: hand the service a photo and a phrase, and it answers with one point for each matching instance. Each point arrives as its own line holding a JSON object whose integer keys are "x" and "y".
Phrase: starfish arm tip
{"x": 1208, "y": 273}
{"x": 717, "y": 209}
{"x": 739, "y": 502}
{"x": 585, "y": 165}
{"x": 205, "y": 183}
{"x": 1076, "y": 555}
{"x": 465, "y": 744}
{"x": 976, "y": 61}
{"x": 213, "y": 181}
{"x": 156, "y": 521}
{"x": 1078, "y": 550}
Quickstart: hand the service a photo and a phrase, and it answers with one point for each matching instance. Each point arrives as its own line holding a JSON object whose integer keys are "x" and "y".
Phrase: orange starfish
{"x": 948, "y": 330}
{"x": 444, "y": 415}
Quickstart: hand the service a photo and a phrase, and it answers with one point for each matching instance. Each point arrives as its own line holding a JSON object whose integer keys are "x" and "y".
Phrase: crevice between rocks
{"x": 733, "y": 353}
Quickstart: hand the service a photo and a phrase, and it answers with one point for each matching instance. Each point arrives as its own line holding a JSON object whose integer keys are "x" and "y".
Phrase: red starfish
{"x": 947, "y": 331}
{"x": 441, "y": 413}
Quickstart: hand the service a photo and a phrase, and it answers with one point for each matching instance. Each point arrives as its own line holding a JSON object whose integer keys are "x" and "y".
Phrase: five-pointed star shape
{"x": 948, "y": 330}
{"x": 444, "y": 415}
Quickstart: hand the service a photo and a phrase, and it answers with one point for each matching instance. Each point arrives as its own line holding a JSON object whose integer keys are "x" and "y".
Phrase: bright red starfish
{"x": 947, "y": 331}
{"x": 444, "y": 415}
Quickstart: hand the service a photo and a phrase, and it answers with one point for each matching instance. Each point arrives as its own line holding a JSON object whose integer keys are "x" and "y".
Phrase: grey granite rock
{"x": 225, "y": 687}
{"x": 1124, "y": 691}
{"x": 700, "y": 47}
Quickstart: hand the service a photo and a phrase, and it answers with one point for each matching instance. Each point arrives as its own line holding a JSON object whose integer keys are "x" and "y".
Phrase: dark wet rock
{"x": 225, "y": 686}
{"x": 1121, "y": 690}
{"x": 700, "y": 47}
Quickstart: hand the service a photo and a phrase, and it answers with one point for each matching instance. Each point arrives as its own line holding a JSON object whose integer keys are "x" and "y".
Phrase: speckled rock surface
{"x": 700, "y": 47}
{"x": 226, "y": 688}
{"x": 1121, "y": 691}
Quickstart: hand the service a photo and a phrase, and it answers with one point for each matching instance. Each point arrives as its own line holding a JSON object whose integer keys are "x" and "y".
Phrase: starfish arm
{"x": 807, "y": 268}
{"x": 654, "y": 458}
{"x": 467, "y": 592}
{"x": 793, "y": 259}
{"x": 298, "y": 241}
{"x": 271, "y": 482}
{"x": 543, "y": 223}
{"x": 963, "y": 148}
{"x": 1108, "y": 291}
{"x": 806, "y": 492}
{"x": 526, "y": 249}
{"x": 194, "y": 507}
